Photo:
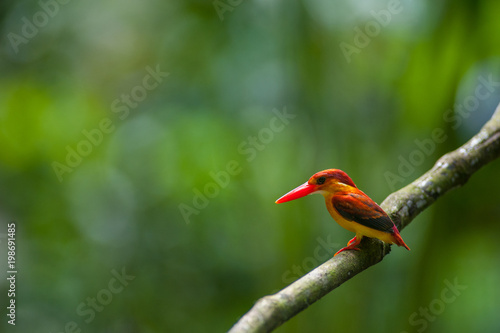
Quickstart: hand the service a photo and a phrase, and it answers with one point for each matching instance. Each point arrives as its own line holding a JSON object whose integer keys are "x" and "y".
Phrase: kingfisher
{"x": 349, "y": 207}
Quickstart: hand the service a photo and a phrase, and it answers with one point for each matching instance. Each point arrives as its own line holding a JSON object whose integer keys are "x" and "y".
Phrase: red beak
{"x": 299, "y": 192}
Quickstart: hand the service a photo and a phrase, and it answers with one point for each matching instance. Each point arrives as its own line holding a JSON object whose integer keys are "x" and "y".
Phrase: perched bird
{"x": 350, "y": 207}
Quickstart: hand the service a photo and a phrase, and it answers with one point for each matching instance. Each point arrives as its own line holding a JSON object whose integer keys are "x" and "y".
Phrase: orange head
{"x": 324, "y": 182}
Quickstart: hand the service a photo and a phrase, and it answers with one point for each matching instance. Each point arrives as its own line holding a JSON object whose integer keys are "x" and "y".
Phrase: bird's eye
{"x": 321, "y": 180}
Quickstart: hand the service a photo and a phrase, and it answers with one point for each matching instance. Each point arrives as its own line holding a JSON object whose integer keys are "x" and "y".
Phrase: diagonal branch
{"x": 450, "y": 171}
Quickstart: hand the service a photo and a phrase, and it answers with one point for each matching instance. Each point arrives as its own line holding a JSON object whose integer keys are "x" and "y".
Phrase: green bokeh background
{"x": 119, "y": 207}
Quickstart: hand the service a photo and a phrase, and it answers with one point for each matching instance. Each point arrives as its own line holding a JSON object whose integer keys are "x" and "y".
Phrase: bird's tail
{"x": 397, "y": 238}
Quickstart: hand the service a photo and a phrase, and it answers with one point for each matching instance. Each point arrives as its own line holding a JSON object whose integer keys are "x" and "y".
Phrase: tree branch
{"x": 450, "y": 171}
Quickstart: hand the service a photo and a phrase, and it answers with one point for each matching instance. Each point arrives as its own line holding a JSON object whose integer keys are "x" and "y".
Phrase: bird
{"x": 350, "y": 208}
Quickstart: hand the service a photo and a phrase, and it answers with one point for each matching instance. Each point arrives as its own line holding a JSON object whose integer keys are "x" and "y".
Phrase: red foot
{"x": 351, "y": 241}
{"x": 351, "y": 245}
{"x": 346, "y": 248}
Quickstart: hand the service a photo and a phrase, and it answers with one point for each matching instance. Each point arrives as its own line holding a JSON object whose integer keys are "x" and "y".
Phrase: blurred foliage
{"x": 216, "y": 115}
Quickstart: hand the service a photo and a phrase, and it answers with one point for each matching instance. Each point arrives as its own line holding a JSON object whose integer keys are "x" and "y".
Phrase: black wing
{"x": 359, "y": 208}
